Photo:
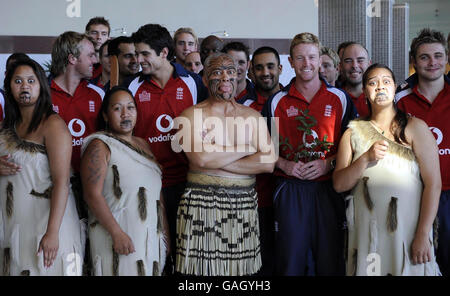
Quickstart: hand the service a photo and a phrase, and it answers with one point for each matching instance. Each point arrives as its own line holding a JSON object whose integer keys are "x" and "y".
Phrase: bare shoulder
{"x": 189, "y": 112}
{"x": 416, "y": 128}
{"x": 54, "y": 124}
{"x": 415, "y": 125}
{"x": 247, "y": 111}
{"x": 346, "y": 136}
{"x": 95, "y": 147}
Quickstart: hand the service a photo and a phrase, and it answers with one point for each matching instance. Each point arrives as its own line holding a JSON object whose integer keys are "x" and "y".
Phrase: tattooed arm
{"x": 94, "y": 164}
{"x": 58, "y": 143}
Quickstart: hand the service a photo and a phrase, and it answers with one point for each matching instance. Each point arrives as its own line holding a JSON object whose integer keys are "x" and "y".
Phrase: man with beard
{"x": 355, "y": 60}
{"x": 123, "y": 48}
{"x": 241, "y": 56}
{"x": 162, "y": 91}
{"x": 426, "y": 95}
{"x": 267, "y": 70}
{"x": 308, "y": 213}
{"x": 217, "y": 219}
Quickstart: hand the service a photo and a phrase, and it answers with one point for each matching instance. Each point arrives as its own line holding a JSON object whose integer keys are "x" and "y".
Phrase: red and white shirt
{"x": 360, "y": 104}
{"x": 434, "y": 114}
{"x": 79, "y": 112}
{"x": 157, "y": 108}
{"x": 330, "y": 107}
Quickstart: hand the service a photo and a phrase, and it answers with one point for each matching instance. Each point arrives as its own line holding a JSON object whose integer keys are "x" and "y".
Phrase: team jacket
{"x": 156, "y": 110}
{"x": 79, "y": 112}
{"x": 249, "y": 88}
{"x": 332, "y": 109}
{"x": 435, "y": 115}
{"x": 254, "y": 99}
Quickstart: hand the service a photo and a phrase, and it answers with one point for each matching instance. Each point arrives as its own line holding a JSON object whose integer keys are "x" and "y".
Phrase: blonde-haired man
{"x": 329, "y": 65}
{"x": 308, "y": 212}
{"x": 186, "y": 41}
{"x": 75, "y": 99}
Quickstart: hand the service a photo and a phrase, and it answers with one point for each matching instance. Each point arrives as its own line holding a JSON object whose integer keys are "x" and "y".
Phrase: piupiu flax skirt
{"x": 217, "y": 227}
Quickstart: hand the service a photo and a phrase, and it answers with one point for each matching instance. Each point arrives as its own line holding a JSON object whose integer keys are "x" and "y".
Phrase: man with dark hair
{"x": 103, "y": 80}
{"x": 162, "y": 91}
{"x": 211, "y": 44}
{"x": 241, "y": 56}
{"x": 123, "y": 48}
{"x": 193, "y": 62}
{"x": 267, "y": 69}
{"x": 354, "y": 62}
{"x": 217, "y": 225}
{"x": 426, "y": 95}
{"x": 309, "y": 214}
{"x": 98, "y": 29}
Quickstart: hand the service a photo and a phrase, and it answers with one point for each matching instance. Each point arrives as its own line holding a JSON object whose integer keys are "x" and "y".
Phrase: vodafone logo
{"x": 438, "y": 133}
{"x": 168, "y": 126}
{"x": 76, "y": 127}
{"x": 314, "y": 136}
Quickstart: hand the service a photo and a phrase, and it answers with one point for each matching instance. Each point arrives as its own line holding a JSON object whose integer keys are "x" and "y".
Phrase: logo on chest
{"x": 292, "y": 111}
{"x": 91, "y": 106}
{"x": 179, "y": 93}
{"x": 144, "y": 96}
{"x": 328, "y": 109}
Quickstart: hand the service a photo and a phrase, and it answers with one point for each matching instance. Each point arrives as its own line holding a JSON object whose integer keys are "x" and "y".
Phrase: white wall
{"x": 240, "y": 18}
{"x": 422, "y": 14}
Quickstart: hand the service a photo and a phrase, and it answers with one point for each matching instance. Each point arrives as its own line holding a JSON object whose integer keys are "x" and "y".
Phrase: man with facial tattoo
{"x": 162, "y": 90}
{"x": 226, "y": 144}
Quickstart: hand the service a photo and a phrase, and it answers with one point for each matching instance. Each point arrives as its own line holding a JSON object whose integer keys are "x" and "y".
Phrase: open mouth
{"x": 225, "y": 88}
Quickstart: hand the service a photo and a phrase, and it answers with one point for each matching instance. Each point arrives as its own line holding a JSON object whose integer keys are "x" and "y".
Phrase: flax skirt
{"x": 217, "y": 227}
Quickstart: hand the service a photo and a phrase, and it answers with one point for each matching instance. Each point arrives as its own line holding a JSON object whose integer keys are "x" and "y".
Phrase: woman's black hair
{"x": 101, "y": 123}
{"x": 400, "y": 120}
{"x": 43, "y": 107}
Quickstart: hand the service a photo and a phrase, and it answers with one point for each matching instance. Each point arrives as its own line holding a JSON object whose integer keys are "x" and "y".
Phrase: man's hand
{"x": 314, "y": 169}
{"x": 290, "y": 168}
